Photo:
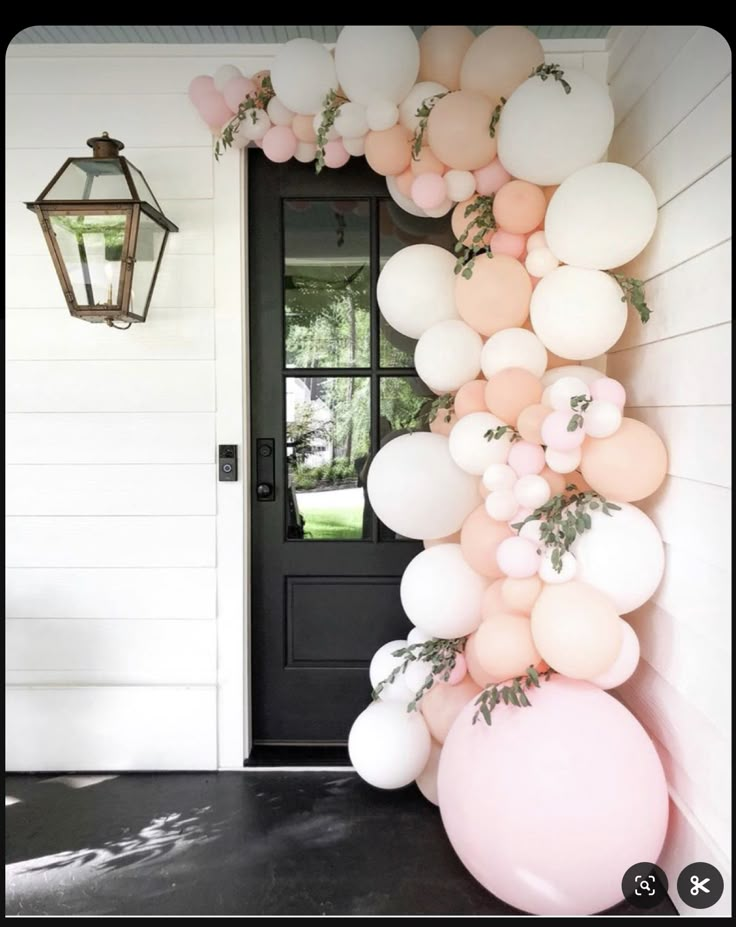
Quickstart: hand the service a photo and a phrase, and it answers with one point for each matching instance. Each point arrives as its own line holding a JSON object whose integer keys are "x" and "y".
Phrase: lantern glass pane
{"x": 91, "y": 248}
{"x": 147, "y": 251}
{"x": 91, "y": 179}
{"x": 144, "y": 191}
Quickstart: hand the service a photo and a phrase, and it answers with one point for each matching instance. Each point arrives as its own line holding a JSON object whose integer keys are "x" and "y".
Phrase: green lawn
{"x": 333, "y": 524}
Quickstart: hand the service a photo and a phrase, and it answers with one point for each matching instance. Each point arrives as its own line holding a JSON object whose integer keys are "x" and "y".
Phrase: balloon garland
{"x": 522, "y": 490}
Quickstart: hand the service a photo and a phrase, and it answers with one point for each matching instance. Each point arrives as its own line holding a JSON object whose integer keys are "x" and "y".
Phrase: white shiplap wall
{"x": 671, "y": 87}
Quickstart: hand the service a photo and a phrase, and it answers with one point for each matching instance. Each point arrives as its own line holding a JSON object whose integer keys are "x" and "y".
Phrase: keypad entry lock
{"x": 227, "y": 463}
{"x": 265, "y": 486}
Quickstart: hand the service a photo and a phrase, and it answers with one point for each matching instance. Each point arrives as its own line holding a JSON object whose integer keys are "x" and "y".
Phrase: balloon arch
{"x": 522, "y": 491}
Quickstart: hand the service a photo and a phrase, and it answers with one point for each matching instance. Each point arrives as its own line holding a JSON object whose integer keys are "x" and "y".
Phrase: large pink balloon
{"x": 578, "y": 796}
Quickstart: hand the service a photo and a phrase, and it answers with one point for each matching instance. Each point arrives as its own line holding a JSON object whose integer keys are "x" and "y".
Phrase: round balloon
{"x": 382, "y": 665}
{"x": 480, "y": 537}
{"x": 601, "y": 217}
{"x": 629, "y": 465}
{"x": 499, "y": 60}
{"x": 441, "y": 53}
{"x": 441, "y": 593}
{"x": 513, "y": 347}
{"x": 457, "y": 130}
{"x": 471, "y": 450}
{"x": 416, "y": 488}
{"x": 470, "y": 398}
{"x": 388, "y": 745}
{"x": 587, "y": 374}
{"x": 624, "y": 665}
{"x": 511, "y": 391}
{"x": 416, "y": 289}
{"x": 545, "y": 134}
{"x": 504, "y": 646}
{"x": 402, "y": 200}
{"x": 388, "y": 152}
{"x": 350, "y": 120}
{"x": 419, "y": 94}
{"x": 427, "y": 779}
{"x": 496, "y": 296}
{"x": 376, "y": 63}
{"x": 443, "y": 703}
{"x": 602, "y": 776}
{"x": 448, "y": 355}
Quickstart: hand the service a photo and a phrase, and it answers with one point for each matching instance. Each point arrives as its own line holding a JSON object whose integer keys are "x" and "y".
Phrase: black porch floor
{"x": 232, "y": 843}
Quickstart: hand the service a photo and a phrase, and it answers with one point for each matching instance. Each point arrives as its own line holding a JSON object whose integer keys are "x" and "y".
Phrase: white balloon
{"x": 381, "y": 115}
{"x": 419, "y": 94}
{"x": 427, "y": 781}
{"x": 416, "y": 676}
{"x": 499, "y": 476}
{"x": 586, "y": 374}
{"x": 356, "y": 148}
{"x": 545, "y": 135}
{"x": 460, "y": 185}
{"x": 417, "y": 636}
{"x": 531, "y": 491}
{"x": 501, "y": 505}
{"x": 302, "y": 74}
{"x": 441, "y": 593}
{"x": 601, "y": 217}
{"x": 382, "y": 665}
{"x": 540, "y": 262}
{"x": 622, "y": 555}
{"x": 602, "y": 418}
{"x": 562, "y": 390}
{"x": 403, "y": 202}
{"x": 306, "y": 152}
{"x": 469, "y": 447}
{"x": 536, "y": 240}
{"x": 625, "y": 663}
{"x": 332, "y": 134}
{"x": 240, "y": 139}
{"x": 578, "y": 313}
{"x": 350, "y": 120}
{"x": 448, "y": 355}
{"x": 563, "y": 461}
{"x": 255, "y": 125}
{"x": 388, "y": 745}
{"x": 440, "y": 210}
{"x": 225, "y": 73}
{"x": 514, "y": 347}
{"x": 278, "y": 113}
{"x": 376, "y": 63}
{"x": 568, "y": 571}
{"x": 417, "y": 489}
{"x": 530, "y": 531}
{"x": 416, "y": 289}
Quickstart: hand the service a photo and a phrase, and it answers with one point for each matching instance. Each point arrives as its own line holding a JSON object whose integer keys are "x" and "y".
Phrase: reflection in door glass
{"x": 327, "y": 283}
{"x": 327, "y": 444}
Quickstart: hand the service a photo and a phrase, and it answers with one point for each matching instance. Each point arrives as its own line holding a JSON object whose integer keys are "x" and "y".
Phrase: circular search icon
{"x": 644, "y": 885}
{"x": 700, "y": 885}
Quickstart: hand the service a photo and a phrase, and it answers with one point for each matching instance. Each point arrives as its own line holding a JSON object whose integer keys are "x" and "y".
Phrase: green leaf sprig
{"x": 423, "y": 115}
{"x": 495, "y": 434}
{"x": 495, "y": 116}
{"x": 634, "y": 294}
{"x": 479, "y": 212}
{"x": 330, "y": 105}
{"x": 563, "y": 518}
{"x": 249, "y": 106}
{"x": 439, "y": 652}
{"x": 509, "y": 695}
{"x": 445, "y": 402}
{"x": 578, "y": 404}
{"x": 551, "y": 70}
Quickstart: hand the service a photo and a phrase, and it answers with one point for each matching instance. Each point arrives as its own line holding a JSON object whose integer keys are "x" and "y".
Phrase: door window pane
{"x": 327, "y": 442}
{"x": 327, "y": 283}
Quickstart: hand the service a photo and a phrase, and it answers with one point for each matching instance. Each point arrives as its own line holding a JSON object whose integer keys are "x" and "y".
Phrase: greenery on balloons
{"x": 634, "y": 294}
{"x": 330, "y": 105}
{"x": 422, "y": 115}
{"x": 249, "y": 106}
{"x": 495, "y": 434}
{"x": 495, "y": 116}
{"x": 482, "y": 222}
{"x": 440, "y": 653}
{"x": 514, "y": 694}
{"x": 551, "y": 70}
{"x": 565, "y": 517}
{"x": 578, "y": 404}
{"x": 445, "y": 402}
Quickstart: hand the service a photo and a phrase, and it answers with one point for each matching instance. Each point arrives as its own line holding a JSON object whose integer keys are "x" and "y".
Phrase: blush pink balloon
{"x": 526, "y": 458}
{"x": 279, "y": 144}
{"x": 471, "y": 397}
{"x": 200, "y": 87}
{"x": 603, "y": 795}
{"x": 507, "y": 243}
{"x": 214, "y": 110}
{"x": 555, "y": 434}
{"x": 518, "y": 558}
{"x": 237, "y": 90}
{"x": 625, "y": 663}
{"x": 609, "y": 390}
{"x": 458, "y": 672}
{"x": 428, "y": 191}
{"x": 490, "y": 178}
{"x": 336, "y": 154}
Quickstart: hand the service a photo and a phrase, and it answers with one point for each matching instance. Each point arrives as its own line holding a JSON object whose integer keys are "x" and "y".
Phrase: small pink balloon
{"x": 507, "y": 243}
{"x": 214, "y": 110}
{"x": 336, "y": 154}
{"x": 520, "y": 516}
{"x": 200, "y": 87}
{"x": 555, "y": 434}
{"x": 236, "y": 90}
{"x": 428, "y": 191}
{"x": 609, "y": 389}
{"x": 526, "y": 458}
{"x": 279, "y": 144}
{"x": 459, "y": 671}
{"x": 490, "y": 178}
{"x": 518, "y": 558}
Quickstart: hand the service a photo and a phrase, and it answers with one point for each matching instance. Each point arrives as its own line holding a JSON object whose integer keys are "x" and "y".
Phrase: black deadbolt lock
{"x": 227, "y": 460}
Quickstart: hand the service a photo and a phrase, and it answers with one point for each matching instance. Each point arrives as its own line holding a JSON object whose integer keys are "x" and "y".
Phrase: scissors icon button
{"x": 700, "y": 885}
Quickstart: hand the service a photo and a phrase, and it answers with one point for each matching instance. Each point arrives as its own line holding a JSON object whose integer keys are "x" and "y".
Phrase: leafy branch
{"x": 509, "y": 695}
{"x": 495, "y": 116}
{"x": 563, "y": 518}
{"x": 634, "y": 294}
{"x": 423, "y": 115}
{"x": 439, "y": 652}
{"x": 330, "y": 105}
{"x": 578, "y": 404}
{"x": 495, "y": 434}
{"x": 429, "y": 412}
{"x": 249, "y": 106}
{"x": 551, "y": 70}
{"x": 481, "y": 221}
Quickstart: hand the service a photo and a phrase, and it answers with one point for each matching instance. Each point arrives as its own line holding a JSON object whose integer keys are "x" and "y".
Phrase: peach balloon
{"x": 496, "y": 296}
{"x": 439, "y": 424}
{"x": 443, "y": 703}
{"x": 529, "y": 421}
{"x": 500, "y": 60}
{"x": 519, "y": 206}
{"x": 576, "y": 479}
{"x": 493, "y": 601}
{"x": 554, "y": 360}
{"x": 557, "y": 481}
{"x": 521, "y": 594}
{"x": 450, "y": 539}
{"x": 627, "y": 466}
{"x": 480, "y": 536}
{"x": 426, "y": 163}
{"x": 457, "y": 131}
{"x": 511, "y": 392}
{"x": 506, "y": 243}
{"x": 427, "y": 780}
{"x": 388, "y": 152}
{"x": 303, "y": 128}
{"x": 576, "y": 629}
{"x": 470, "y": 398}
{"x": 441, "y": 53}
{"x": 466, "y": 225}
{"x": 490, "y": 178}
{"x": 549, "y": 192}
{"x": 475, "y": 671}
{"x": 504, "y": 646}
{"x": 404, "y": 181}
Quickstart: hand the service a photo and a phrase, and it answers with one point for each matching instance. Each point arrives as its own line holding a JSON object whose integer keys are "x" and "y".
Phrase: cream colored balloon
{"x": 586, "y": 374}
{"x": 513, "y": 347}
{"x": 419, "y": 94}
{"x": 448, "y": 355}
{"x": 499, "y": 60}
{"x": 442, "y": 49}
{"x": 469, "y": 447}
{"x": 416, "y": 289}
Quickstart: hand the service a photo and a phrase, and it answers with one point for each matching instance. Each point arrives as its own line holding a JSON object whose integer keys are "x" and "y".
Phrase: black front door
{"x": 330, "y": 384}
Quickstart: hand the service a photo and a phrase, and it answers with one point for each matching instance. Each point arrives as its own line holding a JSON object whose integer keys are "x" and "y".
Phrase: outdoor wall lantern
{"x": 106, "y": 234}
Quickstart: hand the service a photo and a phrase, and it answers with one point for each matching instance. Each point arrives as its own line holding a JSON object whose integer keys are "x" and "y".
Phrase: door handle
{"x": 265, "y": 470}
